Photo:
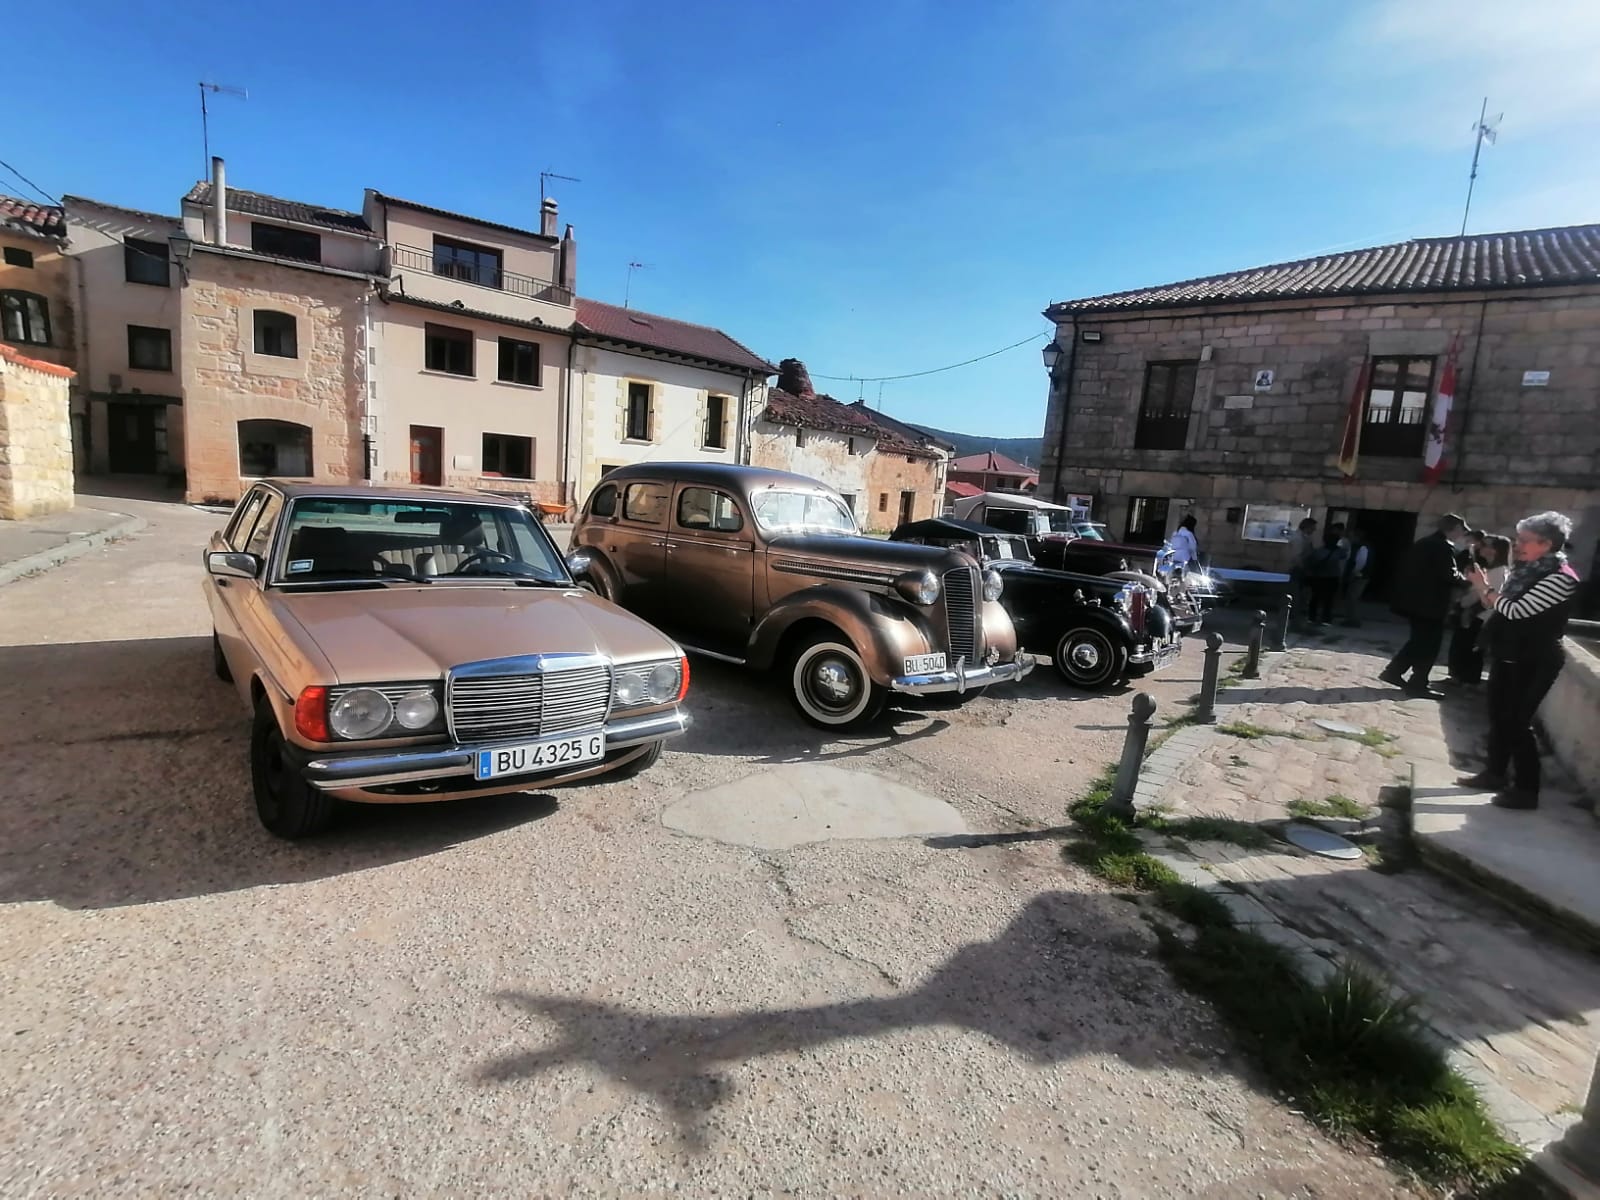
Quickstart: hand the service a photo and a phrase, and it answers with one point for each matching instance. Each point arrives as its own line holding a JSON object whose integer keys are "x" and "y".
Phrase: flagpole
{"x": 1473, "y": 178}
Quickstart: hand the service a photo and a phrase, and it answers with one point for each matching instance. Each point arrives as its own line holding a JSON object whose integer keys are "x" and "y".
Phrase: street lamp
{"x": 182, "y": 251}
{"x": 1052, "y": 356}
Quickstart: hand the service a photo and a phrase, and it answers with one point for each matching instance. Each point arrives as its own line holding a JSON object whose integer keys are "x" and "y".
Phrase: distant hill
{"x": 1024, "y": 450}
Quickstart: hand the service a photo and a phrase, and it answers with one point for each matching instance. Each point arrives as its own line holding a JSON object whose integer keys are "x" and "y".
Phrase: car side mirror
{"x": 230, "y": 564}
{"x": 579, "y": 561}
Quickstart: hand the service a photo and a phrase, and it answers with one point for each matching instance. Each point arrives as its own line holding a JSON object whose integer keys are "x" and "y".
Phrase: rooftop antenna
{"x": 1486, "y": 130}
{"x": 222, "y": 89}
{"x": 544, "y": 175}
{"x": 628, "y": 290}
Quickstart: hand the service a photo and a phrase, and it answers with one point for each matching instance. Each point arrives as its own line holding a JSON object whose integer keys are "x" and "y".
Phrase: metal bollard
{"x": 1280, "y": 627}
{"x": 1121, "y": 802}
{"x": 1252, "y": 657}
{"x": 1206, "y": 712}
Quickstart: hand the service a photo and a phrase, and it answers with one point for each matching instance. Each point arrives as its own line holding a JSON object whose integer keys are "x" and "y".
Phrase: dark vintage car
{"x": 767, "y": 569}
{"x": 1096, "y": 630}
{"x": 1125, "y": 560}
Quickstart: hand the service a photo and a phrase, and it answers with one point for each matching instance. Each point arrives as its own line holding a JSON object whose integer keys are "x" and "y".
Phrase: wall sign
{"x": 1264, "y": 379}
{"x": 1536, "y": 379}
{"x": 1238, "y": 402}
{"x": 1271, "y": 522}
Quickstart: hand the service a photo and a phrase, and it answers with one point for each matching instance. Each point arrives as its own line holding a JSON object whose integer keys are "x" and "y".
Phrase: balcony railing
{"x": 414, "y": 258}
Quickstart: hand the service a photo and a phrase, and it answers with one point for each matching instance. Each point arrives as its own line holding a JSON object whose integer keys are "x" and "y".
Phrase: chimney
{"x": 569, "y": 260}
{"x": 794, "y": 378}
{"x": 547, "y": 217}
{"x": 219, "y": 202}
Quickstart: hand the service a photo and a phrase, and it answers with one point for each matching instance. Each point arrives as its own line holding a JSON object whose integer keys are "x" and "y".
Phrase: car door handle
{"x": 222, "y": 583}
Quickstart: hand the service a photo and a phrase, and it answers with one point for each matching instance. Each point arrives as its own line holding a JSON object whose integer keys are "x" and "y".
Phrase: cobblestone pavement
{"x": 1518, "y": 1009}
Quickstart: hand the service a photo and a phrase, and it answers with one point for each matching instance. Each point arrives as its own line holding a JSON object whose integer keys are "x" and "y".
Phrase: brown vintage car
{"x": 767, "y": 569}
{"x": 404, "y": 645}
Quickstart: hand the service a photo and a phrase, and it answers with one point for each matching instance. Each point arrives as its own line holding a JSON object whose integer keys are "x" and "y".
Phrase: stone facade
{"x": 225, "y": 381}
{"x": 891, "y": 477}
{"x": 35, "y": 437}
{"x": 1518, "y": 443}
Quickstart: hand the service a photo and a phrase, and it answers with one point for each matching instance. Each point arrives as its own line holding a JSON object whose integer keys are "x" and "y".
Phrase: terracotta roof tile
{"x": 957, "y": 488}
{"x": 257, "y": 204}
{"x": 817, "y": 411}
{"x": 991, "y": 461}
{"x": 46, "y": 220}
{"x": 13, "y": 355}
{"x": 664, "y": 333}
{"x": 1528, "y": 258}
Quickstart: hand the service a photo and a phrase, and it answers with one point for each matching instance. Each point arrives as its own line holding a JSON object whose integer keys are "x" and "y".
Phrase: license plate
{"x": 1165, "y": 654}
{"x": 545, "y": 755}
{"x": 922, "y": 664}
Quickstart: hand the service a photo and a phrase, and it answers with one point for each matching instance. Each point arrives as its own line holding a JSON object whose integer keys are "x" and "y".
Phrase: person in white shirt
{"x": 1355, "y": 577}
{"x": 1185, "y": 546}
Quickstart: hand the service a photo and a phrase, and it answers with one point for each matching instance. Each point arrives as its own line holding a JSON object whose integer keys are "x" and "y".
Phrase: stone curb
{"x": 44, "y": 560}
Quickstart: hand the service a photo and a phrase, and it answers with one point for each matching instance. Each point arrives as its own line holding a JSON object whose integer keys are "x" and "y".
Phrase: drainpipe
{"x": 1066, "y": 405}
{"x": 369, "y": 398}
{"x": 1466, "y": 399}
{"x": 219, "y": 202}
{"x": 568, "y": 478}
{"x": 84, "y": 383}
{"x": 741, "y": 440}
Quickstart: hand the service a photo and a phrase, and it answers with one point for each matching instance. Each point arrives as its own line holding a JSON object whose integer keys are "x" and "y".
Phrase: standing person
{"x": 1355, "y": 578}
{"x": 1324, "y": 570}
{"x": 1466, "y": 654}
{"x": 1301, "y": 543}
{"x": 1527, "y": 620}
{"x": 1423, "y": 590}
{"x": 1185, "y": 546}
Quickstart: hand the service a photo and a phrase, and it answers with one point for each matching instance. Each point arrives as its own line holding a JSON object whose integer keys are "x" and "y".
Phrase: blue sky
{"x": 875, "y": 188}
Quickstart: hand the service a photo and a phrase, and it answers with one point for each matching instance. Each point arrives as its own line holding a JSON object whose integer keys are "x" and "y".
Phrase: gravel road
{"x": 554, "y": 993}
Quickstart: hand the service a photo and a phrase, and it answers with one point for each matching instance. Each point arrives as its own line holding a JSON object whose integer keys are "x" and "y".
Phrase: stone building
{"x": 1229, "y": 396}
{"x": 992, "y": 471}
{"x": 885, "y": 478}
{"x": 36, "y": 309}
{"x": 35, "y": 436}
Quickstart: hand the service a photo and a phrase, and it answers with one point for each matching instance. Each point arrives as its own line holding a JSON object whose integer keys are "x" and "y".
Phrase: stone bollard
{"x": 1139, "y": 718}
{"x": 1280, "y": 627}
{"x": 1252, "y": 657}
{"x": 1206, "y": 712}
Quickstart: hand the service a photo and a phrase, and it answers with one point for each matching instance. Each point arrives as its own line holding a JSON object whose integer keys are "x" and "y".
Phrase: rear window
{"x": 604, "y": 502}
{"x": 645, "y": 502}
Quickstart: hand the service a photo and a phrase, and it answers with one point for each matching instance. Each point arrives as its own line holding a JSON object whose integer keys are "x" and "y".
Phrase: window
{"x": 261, "y": 537}
{"x": 25, "y": 317}
{"x": 849, "y": 499}
{"x": 275, "y": 334}
{"x": 716, "y": 437}
{"x": 519, "y": 362}
{"x": 645, "y": 502}
{"x": 16, "y": 256}
{"x": 1164, "y": 407}
{"x": 244, "y": 519}
{"x": 883, "y": 501}
{"x": 145, "y": 262}
{"x": 471, "y": 264}
{"x": 702, "y": 508}
{"x": 1147, "y": 520}
{"x": 1397, "y": 407}
{"x": 799, "y": 436}
{"x": 149, "y": 349}
{"x": 638, "y": 412}
{"x": 508, "y": 455}
{"x": 604, "y": 502}
{"x": 280, "y": 448}
{"x": 449, "y": 349}
{"x": 285, "y": 243}
{"x": 851, "y": 446}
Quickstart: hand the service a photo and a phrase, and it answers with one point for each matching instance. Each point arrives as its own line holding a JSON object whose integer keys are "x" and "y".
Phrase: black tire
{"x": 829, "y": 685}
{"x": 1088, "y": 657}
{"x": 595, "y": 581}
{"x": 288, "y": 806}
{"x": 219, "y": 664}
{"x": 637, "y": 766}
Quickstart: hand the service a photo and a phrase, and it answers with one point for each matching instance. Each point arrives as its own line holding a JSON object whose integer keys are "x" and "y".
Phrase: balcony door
{"x": 427, "y": 455}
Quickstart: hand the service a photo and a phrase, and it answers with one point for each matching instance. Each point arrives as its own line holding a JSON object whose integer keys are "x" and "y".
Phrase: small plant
{"x": 1195, "y": 905}
{"x": 1243, "y": 729}
{"x": 1333, "y": 806}
{"x": 1216, "y": 829}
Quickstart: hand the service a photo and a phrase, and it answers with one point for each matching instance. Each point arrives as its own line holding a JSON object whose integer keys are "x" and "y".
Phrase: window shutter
{"x": 622, "y": 408}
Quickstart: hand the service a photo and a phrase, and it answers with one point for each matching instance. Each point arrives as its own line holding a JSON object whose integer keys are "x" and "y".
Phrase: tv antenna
{"x": 216, "y": 89}
{"x": 628, "y": 290}
{"x": 1486, "y": 131}
{"x": 544, "y": 175}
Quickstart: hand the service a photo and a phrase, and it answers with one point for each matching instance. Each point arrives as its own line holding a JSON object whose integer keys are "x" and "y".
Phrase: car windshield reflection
{"x": 778, "y": 511}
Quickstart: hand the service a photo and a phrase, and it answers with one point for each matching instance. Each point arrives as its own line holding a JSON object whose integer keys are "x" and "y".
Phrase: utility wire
{"x": 1032, "y": 337}
{"x": 48, "y": 198}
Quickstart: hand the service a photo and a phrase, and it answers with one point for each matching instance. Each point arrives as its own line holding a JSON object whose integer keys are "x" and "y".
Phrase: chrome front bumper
{"x": 962, "y": 678}
{"x": 333, "y": 772}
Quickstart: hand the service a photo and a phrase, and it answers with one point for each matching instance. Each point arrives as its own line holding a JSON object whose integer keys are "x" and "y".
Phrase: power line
{"x": 1032, "y": 337}
{"x": 48, "y": 198}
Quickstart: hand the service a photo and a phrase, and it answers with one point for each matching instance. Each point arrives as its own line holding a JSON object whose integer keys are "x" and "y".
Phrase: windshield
{"x": 342, "y": 539}
{"x": 812, "y": 512}
{"x": 1088, "y": 531}
{"x": 1060, "y": 522}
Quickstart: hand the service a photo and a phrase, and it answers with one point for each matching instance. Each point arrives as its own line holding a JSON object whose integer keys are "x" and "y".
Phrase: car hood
{"x": 896, "y": 557}
{"x": 405, "y": 633}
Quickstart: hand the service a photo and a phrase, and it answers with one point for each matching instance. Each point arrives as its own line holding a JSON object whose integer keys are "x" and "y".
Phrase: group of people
{"x": 1329, "y": 574}
{"x": 1510, "y": 615}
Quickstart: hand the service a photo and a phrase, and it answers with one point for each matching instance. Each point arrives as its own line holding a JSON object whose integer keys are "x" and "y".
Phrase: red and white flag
{"x": 1439, "y": 422}
{"x": 1355, "y": 411}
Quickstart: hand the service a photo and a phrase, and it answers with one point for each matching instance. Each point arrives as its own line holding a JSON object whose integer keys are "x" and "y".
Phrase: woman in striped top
{"x": 1522, "y": 634}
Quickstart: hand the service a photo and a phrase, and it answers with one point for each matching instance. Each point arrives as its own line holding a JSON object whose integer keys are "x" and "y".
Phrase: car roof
{"x": 947, "y": 527}
{"x": 300, "y": 488}
{"x": 735, "y": 476}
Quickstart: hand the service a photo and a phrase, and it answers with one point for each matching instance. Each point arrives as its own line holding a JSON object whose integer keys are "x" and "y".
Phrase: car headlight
{"x": 648, "y": 683}
{"x": 416, "y": 710}
{"x": 360, "y": 713}
{"x": 1124, "y": 599}
{"x": 579, "y": 561}
{"x": 919, "y": 587}
{"x": 993, "y": 585}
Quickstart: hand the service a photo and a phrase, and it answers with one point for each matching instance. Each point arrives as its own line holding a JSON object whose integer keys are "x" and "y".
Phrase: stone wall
{"x": 890, "y": 474}
{"x": 1570, "y": 715}
{"x": 35, "y": 437}
{"x": 225, "y": 381}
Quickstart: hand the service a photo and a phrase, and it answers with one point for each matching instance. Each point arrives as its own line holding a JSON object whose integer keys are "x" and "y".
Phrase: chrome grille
{"x": 961, "y": 611}
{"x": 490, "y": 707}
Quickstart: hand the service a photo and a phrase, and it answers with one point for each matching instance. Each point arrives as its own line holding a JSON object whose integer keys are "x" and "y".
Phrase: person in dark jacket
{"x": 1424, "y": 589}
{"x": 1325, "y": 568}
{"x": 1522, "y": 643}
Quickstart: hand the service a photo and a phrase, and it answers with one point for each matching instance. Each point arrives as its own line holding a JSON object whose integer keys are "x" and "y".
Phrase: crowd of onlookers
{"x": 1329, "y": 575}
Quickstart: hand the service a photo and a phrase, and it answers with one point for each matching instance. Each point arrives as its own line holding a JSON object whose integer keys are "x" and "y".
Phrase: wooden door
{"x": 427, "y": 455}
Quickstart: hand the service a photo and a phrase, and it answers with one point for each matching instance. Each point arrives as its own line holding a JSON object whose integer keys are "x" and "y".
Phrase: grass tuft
{"x": 1243, "y": 729}
{"x": 1333, "y": 806}
{"x": 1214, "y": 829}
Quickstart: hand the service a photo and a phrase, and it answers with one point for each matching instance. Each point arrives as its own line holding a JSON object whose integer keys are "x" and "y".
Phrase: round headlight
{"x": 993, "y": 585}
{"x": 919, "y": 587}
{"x": 664, "y": 683}
{"x": 416, "y": 710}
{"x": 631, "y": 689}
{"x": 360, "y": 713}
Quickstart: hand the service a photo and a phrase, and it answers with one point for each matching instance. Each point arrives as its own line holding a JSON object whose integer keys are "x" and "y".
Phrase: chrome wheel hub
{"x": 1085, "y": 656}
{"x": 833, "y": 682}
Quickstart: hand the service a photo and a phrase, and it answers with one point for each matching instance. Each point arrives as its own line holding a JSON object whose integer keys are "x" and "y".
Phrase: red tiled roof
{"x": 664, "y": 333}
{"x": 833, "y": 416}
{"x": 46, "y": 220}
{"x": 991, "y": 462}
{"x": 956, "y": 488}
{"x": 258, "y": 204}
{"x": 12, "y": 354}
{"x": 1477, "y": 262}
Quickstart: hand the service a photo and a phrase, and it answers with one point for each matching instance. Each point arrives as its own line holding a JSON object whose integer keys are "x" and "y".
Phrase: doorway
{"x": 908, "y": 505}
{"x": 136, "y": 438}
{"x": 1147, "y": 521}
{"x": 427, "y": 455}
{"x": 1389, "y": 536}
